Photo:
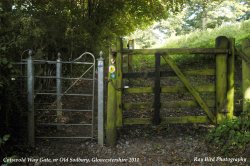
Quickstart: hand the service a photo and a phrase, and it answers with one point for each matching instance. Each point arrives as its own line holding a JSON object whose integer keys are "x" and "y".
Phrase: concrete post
{"x": 101, "y": 100}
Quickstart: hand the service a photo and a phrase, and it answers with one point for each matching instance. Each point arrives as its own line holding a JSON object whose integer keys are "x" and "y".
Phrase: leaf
{"x": 6, "y": 137}
{"x": 10, "y": 66}
{"x": 4, "y": 61}
{"x": 3, "y": 48}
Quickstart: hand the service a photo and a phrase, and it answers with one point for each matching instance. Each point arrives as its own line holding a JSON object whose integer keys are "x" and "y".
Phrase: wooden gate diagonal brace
{"x": 190, "y": 88}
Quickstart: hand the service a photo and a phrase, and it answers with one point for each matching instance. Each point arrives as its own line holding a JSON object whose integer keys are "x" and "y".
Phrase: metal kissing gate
{"x": 61, "y": 97}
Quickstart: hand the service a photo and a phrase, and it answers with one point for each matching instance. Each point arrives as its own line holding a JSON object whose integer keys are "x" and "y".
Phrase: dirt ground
{"x": 137, "y": 145}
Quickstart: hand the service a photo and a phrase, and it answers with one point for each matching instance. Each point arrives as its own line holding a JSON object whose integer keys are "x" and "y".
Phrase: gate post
{"x": 111, "y": 101}
{"x": 157, "y": 90}
{"x": 100, "y": 100}
{"x": 246, "y": 75}
{"x": 119, "y": 58}
{"x": 221, "y": 79}
{"x": 30, "y": 87}
{"x": 230, "y": 79}
{"x": 130, "y": 56}
{"x": 58, "y": 88}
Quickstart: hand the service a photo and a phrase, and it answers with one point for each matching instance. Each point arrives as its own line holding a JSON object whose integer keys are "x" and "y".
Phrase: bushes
{"x": 231, "y": 135}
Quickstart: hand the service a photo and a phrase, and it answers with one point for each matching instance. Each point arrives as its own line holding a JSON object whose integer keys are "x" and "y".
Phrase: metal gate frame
{"x": 31, "y": 94}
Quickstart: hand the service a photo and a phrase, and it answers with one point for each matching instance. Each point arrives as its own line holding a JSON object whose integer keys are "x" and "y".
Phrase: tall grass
{"x": 206, "y": 38}
{"x": 197, "y": 39}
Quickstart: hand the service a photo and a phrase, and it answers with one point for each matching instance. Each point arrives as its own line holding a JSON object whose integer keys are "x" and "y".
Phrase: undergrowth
{"x": 231, "y": 136}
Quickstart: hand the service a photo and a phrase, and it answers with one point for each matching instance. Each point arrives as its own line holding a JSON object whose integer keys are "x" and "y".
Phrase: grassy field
{"x": 196, "y": 39}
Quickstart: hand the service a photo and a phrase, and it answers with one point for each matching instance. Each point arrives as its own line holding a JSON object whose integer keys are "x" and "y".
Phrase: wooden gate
{"x": 223, "y": 88}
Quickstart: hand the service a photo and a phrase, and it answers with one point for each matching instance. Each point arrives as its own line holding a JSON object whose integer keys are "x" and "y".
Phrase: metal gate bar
{"x": 59, "y": 94}
{"x": 34, "y": 93}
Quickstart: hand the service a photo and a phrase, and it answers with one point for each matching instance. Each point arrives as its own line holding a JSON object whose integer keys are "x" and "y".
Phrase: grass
{"x": 206, "y": 38}
{"x": 197, "y": 39}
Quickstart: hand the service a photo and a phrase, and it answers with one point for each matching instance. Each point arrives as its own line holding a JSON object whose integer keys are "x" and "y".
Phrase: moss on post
{"x": 119, "y": 47}
{"x": 111, "y": 104}
{"x": 221, "y": 79}
{"x": 246, "y": 75}
{"x": 230, "y": 79}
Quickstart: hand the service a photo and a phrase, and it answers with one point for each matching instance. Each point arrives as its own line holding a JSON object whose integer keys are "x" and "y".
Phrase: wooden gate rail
{"x": 169, "y": 104}
{"x": 224, "y": 87}
{"x": 167, "y": 120}
{"x": 170, "y": 89}
{"x": 200, "y": 72}
{"x": 168, "y": 51}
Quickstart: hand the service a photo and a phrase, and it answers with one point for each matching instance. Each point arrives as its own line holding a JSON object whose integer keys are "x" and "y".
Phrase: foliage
{"x": 72, "y": 27}
{"x": 197, "y": 39}
{"x": 194, "y": 16}
{"x": 210, "y": 14}
{"x": 231, "y": 135}
{"x": 7, "y": 91}
{"x": 4, "y": 139}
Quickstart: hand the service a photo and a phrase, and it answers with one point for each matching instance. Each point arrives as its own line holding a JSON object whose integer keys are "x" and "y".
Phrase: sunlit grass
{"x": 196, "y": 39}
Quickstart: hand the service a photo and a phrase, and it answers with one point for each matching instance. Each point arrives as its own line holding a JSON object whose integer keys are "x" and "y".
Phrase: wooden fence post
{"x": 111, "y": 102}
{"x": 221, "y": 79}
{"x": 157, "y": 90}
{"x": 230, "y": 79}
{"x": 130, "y": 57}
{"x": 119, "y": 58}
{"x": 246, "y": 76}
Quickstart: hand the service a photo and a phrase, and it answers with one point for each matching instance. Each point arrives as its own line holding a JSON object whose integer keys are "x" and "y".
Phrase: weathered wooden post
{"x": 157, "y": 90}
{"x": 111, "y": 101}
{"x": 30, "y": 87}
{"x": 130, "y": 56}
{"x": 230, "y": 79}
{"x": 246, "y": 75}
{"x": 119, "y": 58}
{"x": 125, "y": 56}
{"x": 221, "y": 79}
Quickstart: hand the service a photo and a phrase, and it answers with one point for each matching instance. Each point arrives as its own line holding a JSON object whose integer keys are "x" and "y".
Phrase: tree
{"x": 196, "y": 14}
{"x": 72, "y": 26}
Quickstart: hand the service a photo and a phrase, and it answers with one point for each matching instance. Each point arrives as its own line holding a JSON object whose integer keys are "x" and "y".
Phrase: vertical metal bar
{"x": 58, "y": 86}
{"x": 30, "y": 87}
{"x": 101, "y": 100}
{"x": 93, "y": 98}
{"x": 157, "y": 90}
